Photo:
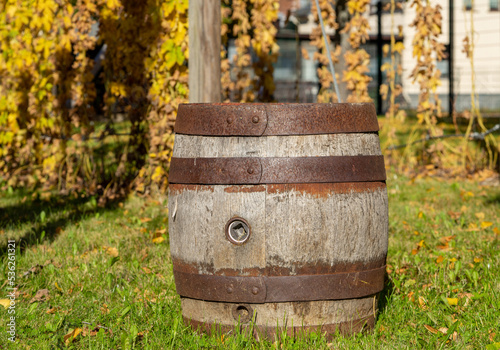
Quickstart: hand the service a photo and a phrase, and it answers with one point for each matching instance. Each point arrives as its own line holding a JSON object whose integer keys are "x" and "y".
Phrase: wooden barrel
{"x": 278, "y": 216}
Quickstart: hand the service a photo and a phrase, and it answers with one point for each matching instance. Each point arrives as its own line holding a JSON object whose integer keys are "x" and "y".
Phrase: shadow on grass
{"x": 495, "y": 200}
{"x": 45, "y": 218}
{"x": 385, "y": 294}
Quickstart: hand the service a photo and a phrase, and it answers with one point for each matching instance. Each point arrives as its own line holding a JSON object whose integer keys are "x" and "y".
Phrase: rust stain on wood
{"x": 277, "y": 268}
{"x": 245, "y": 189}
{"x": 322, "y": 190}
{"x": 210, "y": 270}
{"x": 178, "y": 188}
{"x": 318, "y": 268}
{"x": 317, "y": 190}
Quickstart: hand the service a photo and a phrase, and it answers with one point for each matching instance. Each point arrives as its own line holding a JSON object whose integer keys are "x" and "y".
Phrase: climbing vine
{"x": 48, "y": 92}
{"x": 357, "y": 59}
{"x": 226, "y": 84}
{"x": 491, "y": 143}
{"x": 168, "y": 77}
{"x": 394, "y": 117}
{"x": 264, "y": 14}
{"x": 241, "y": 91}
{"x": 33, "y": 121}
{"x": 325, "y": 77}
{"x": 427, "y": 50}
{"x": 76, "y": 86}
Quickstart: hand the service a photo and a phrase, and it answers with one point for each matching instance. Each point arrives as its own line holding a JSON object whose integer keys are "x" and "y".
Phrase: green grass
{"x": 439, "y": 248}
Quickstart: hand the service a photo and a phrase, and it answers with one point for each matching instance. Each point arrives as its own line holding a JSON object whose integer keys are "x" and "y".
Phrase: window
{"x": 493, "y": 5}
{"x": 468, "y": 5}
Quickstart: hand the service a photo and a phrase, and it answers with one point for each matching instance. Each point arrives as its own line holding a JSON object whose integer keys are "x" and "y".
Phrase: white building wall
{"x": 486, "y": 54}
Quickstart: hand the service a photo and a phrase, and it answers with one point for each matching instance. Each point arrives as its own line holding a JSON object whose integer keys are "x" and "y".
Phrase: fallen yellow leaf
{"x": 431, "y": 329}
{"x": 443, "y": 330}
{"x": 445, "y": 247}
{"x": 467, "y": 297}
{"x": 158, "y": 240}
{"x": 5, "y": 303}
{"x": 422, "y": 302}
{"x": 479, "y": 215}
{"x": 472, "y": 227}
{"x": 496, "y": 230}
{"x": 485, "y": 224}
{"x": 440, "y": 259}
{"x": 57, "y": 286}
{"x": 446, "y": 239}
{"x": 111, "y": 251}
{"x": 68, "y": 338}
{"x": 420, "y": 215}
{"x": 452, "y": 301}
{"x": 52, "y": 310}
{"x": 104, "y": 309}
{"x": 477, "y": 260}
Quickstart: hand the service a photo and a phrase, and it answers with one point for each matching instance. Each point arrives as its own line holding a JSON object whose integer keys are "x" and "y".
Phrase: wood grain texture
{"x": 187, "y": 146}
{"x": 291, "y": 228}
{"x": 308, "y": 313}
{"x": 197, "y": 231}
{"x": 204, "y": 51}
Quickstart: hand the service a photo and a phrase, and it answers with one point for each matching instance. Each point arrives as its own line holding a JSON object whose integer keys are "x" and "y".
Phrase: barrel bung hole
{"x": 237, "y": 231}
{"x": 242, "y": 313}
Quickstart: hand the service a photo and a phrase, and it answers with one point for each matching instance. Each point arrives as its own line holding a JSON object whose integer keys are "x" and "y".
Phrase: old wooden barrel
{"x": 278, "y": 216}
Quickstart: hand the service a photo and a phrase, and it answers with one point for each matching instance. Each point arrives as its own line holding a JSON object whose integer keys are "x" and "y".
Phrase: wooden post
{"x": 204, "y": 51}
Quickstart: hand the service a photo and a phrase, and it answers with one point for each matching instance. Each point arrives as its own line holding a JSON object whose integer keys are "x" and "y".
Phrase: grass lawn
{"x": 101, "y": 278}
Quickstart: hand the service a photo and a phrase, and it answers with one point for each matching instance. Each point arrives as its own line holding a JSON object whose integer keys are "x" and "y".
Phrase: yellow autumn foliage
{"x": 357, "y": 59}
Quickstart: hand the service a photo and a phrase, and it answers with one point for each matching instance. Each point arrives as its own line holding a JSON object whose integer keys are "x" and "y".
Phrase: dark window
{"x": 493, "y": 5}
{"x": 468, "y": 5}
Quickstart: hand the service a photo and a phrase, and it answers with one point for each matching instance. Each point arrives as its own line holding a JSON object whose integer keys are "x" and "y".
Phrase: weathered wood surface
{"x": 291, "y": 229}
{"x": 311, "y": 313}
{"x": 204, "y": 51}
{"x": 187, "y": 146}
{"x": 292, "y": 226}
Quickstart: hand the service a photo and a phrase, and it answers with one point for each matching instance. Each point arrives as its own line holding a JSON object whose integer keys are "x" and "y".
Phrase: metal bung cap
{"x": 237, "y": 231}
